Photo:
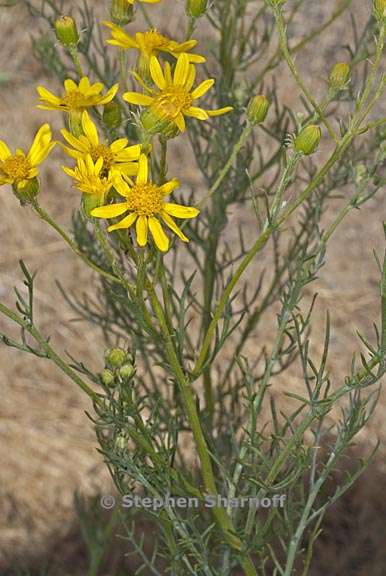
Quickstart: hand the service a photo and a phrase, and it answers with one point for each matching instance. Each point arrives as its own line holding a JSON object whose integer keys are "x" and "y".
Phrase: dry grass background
{"x": 47, "y": 449}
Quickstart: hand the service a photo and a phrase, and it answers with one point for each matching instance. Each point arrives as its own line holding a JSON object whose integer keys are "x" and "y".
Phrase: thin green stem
{"x": 75, "y": 58}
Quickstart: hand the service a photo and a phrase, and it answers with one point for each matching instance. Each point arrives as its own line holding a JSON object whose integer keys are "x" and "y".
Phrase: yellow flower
{"x": 117, "y": 155}
{"x": 77, "y": 97}
{"x": 146, "y": 206}
{"x": 150, "y": 43}
{"x": 89, "y": 178}
{"x": 19, "y": 168}
{"x": 174, "y": 98}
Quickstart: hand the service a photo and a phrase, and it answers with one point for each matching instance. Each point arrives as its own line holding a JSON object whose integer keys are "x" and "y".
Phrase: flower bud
{"x": 27, "y": 192}
{"x": 258, "y": 109}
{"x": 66, "y": 31}
{"x": 120, "y": 442}
{"x": 121, "y": 12}
{"x": 275, "y": 2}
{"x": 196, "y": 8}
{"x": 339, "y": 76}
{"x": 108, "y": 378}
{"x": 115, "y": 357}
{"x": 308, "y": 139}
{"x": 127, "y": 371}
{"x": 112, "y": 115}
{"x": 155, "y": 122}
{"x": 75, "y": 123}
{"x": 91, "y": 201}
{"x": 379, "y": 9}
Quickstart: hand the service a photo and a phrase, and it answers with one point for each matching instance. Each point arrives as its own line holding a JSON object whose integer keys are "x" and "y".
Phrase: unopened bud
{"x": 120, "y": 442}
{"x": 275, "y": 2}
{"x": 127, "y": 371}
{"x": 27, "y": 191}
{"x": 339, "y": 76}
{"x": 379, "y": 9}
{"x": 112, "y": 115}
{"x": 258, "y": 109}
{"x": 308, "y": 139}
{"x": 91, "y": 201}
{"x": 115, "y": 357}
{"x": 154, "y": 121}
{"x": 108, "y": 378}
{"x": 121, "y": 12}
{"x": 66, "y": 31}
{"x": 196, "y": 8}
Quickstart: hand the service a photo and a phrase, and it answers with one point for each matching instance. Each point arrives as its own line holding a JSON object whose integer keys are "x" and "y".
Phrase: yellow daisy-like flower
{"x": 117, "y": 155}
{"x": 77, "y": 97}
{"x": 89, "y": 177}
{"x": 17, "y": 169}
{"x": 150, "y": 43}
{"x": 174, "y": 98}
{"x": 146, "y": 206}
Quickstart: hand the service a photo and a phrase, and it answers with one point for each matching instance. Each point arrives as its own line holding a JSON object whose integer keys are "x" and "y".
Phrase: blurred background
{"x": 47, "y": 450}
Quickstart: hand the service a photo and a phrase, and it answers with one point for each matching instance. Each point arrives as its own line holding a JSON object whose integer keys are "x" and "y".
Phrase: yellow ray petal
{"x": 180, "y": 121}
{"x": 156, "y": 73}
{"x": 125, "y": 223}
{"x": 202, "y": 88}
{"x": 173, "y": 226}
{"x": 142, "y": 230}
{"x": 197, "y": 113}
{"x": 70, "y": 85}
{"x": 110, "y": 210}
{"x": 47, "y": 95}
{"x": 143, "y": 170}
{"x": 181, "y": 71}
{"x": 4, "y": 151}
{"x": 138, "y": 99}
{"x": 89, "y": 129}
{"x": 220, "y": 111}
{"x": 76, "y": 143}
{"x": 160, "y": 238}
{"x": 168, "y": 187}
{"x": 180, "y": 211}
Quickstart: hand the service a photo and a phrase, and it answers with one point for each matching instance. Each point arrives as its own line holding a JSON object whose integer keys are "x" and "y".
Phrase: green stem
{"x": 47, "y": 218}
{"x": 51, "y": 354}
{"x": 220, "y": 514}
{"x": 75, "y": 58}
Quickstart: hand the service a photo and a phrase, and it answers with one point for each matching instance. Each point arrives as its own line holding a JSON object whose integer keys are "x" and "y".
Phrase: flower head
{"x": 77, "y": 97}
{"x": 89, "y": 177}
{"x": 146, "y": 206}
{"x": 117, "y": 155}
{"x": 150, "y": 43}
{"x": 20, "y": 168}
{"x": 173, "y": 97}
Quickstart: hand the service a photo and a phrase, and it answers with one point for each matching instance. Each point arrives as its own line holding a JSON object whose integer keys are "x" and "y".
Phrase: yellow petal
{"x": 168, "y": 187}
{"x": 110, "y": 211}
{"x": 138, "y": 99}
{"x": 40, "y": 145}
{"x": 89, "y": 129}
{"x": 109, "y": 95}
{"x": 125, "y": 223}
{"x": 129, "y": 153}
{"x": 197, "y": 113}
{"x": 180, "y": 121}
{"x": 119, "y": 145}
{"x": 48, "y": 96}
{"x": 143, "y": 170}
{"x": 84, "y": 84}
{"x": 160, "y": 238}
{"x": 173, "y": 226}
{"x": 76, "y": 143}
{"x": 182, "y": 70}
{"x": 202, "y": 88}
{"x": 180, "y": 211}
{"x": 190, "y": 79}
{"x": 4, "y": 151}
{"x": 220, "y": 111}
{"x": 142, "y": 230}
{"x": 156, "y": 73}
{"x": 70, "y": 85}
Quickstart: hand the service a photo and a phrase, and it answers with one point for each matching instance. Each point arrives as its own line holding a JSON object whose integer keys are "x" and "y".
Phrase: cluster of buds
{"x": 196, "y": 8}
{"x": 379, "y": 10}
{"x": 258, "y": 109}
{"x": 339, "y": 76}
{"x": 307, "y": 141}
{"x": 119, "y": 366}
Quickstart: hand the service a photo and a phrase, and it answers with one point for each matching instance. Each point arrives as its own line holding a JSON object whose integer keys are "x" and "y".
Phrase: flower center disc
{"x": 103, "y": 151}
{"x": 172, "y": 101}
{"x": 145, "y": 199}
{"x": 16, "y": 167}
{"x": 74, "y": 100}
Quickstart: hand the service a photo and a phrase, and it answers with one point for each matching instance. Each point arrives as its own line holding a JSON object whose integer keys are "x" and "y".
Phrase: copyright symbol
{"x": 107, "y": 502}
